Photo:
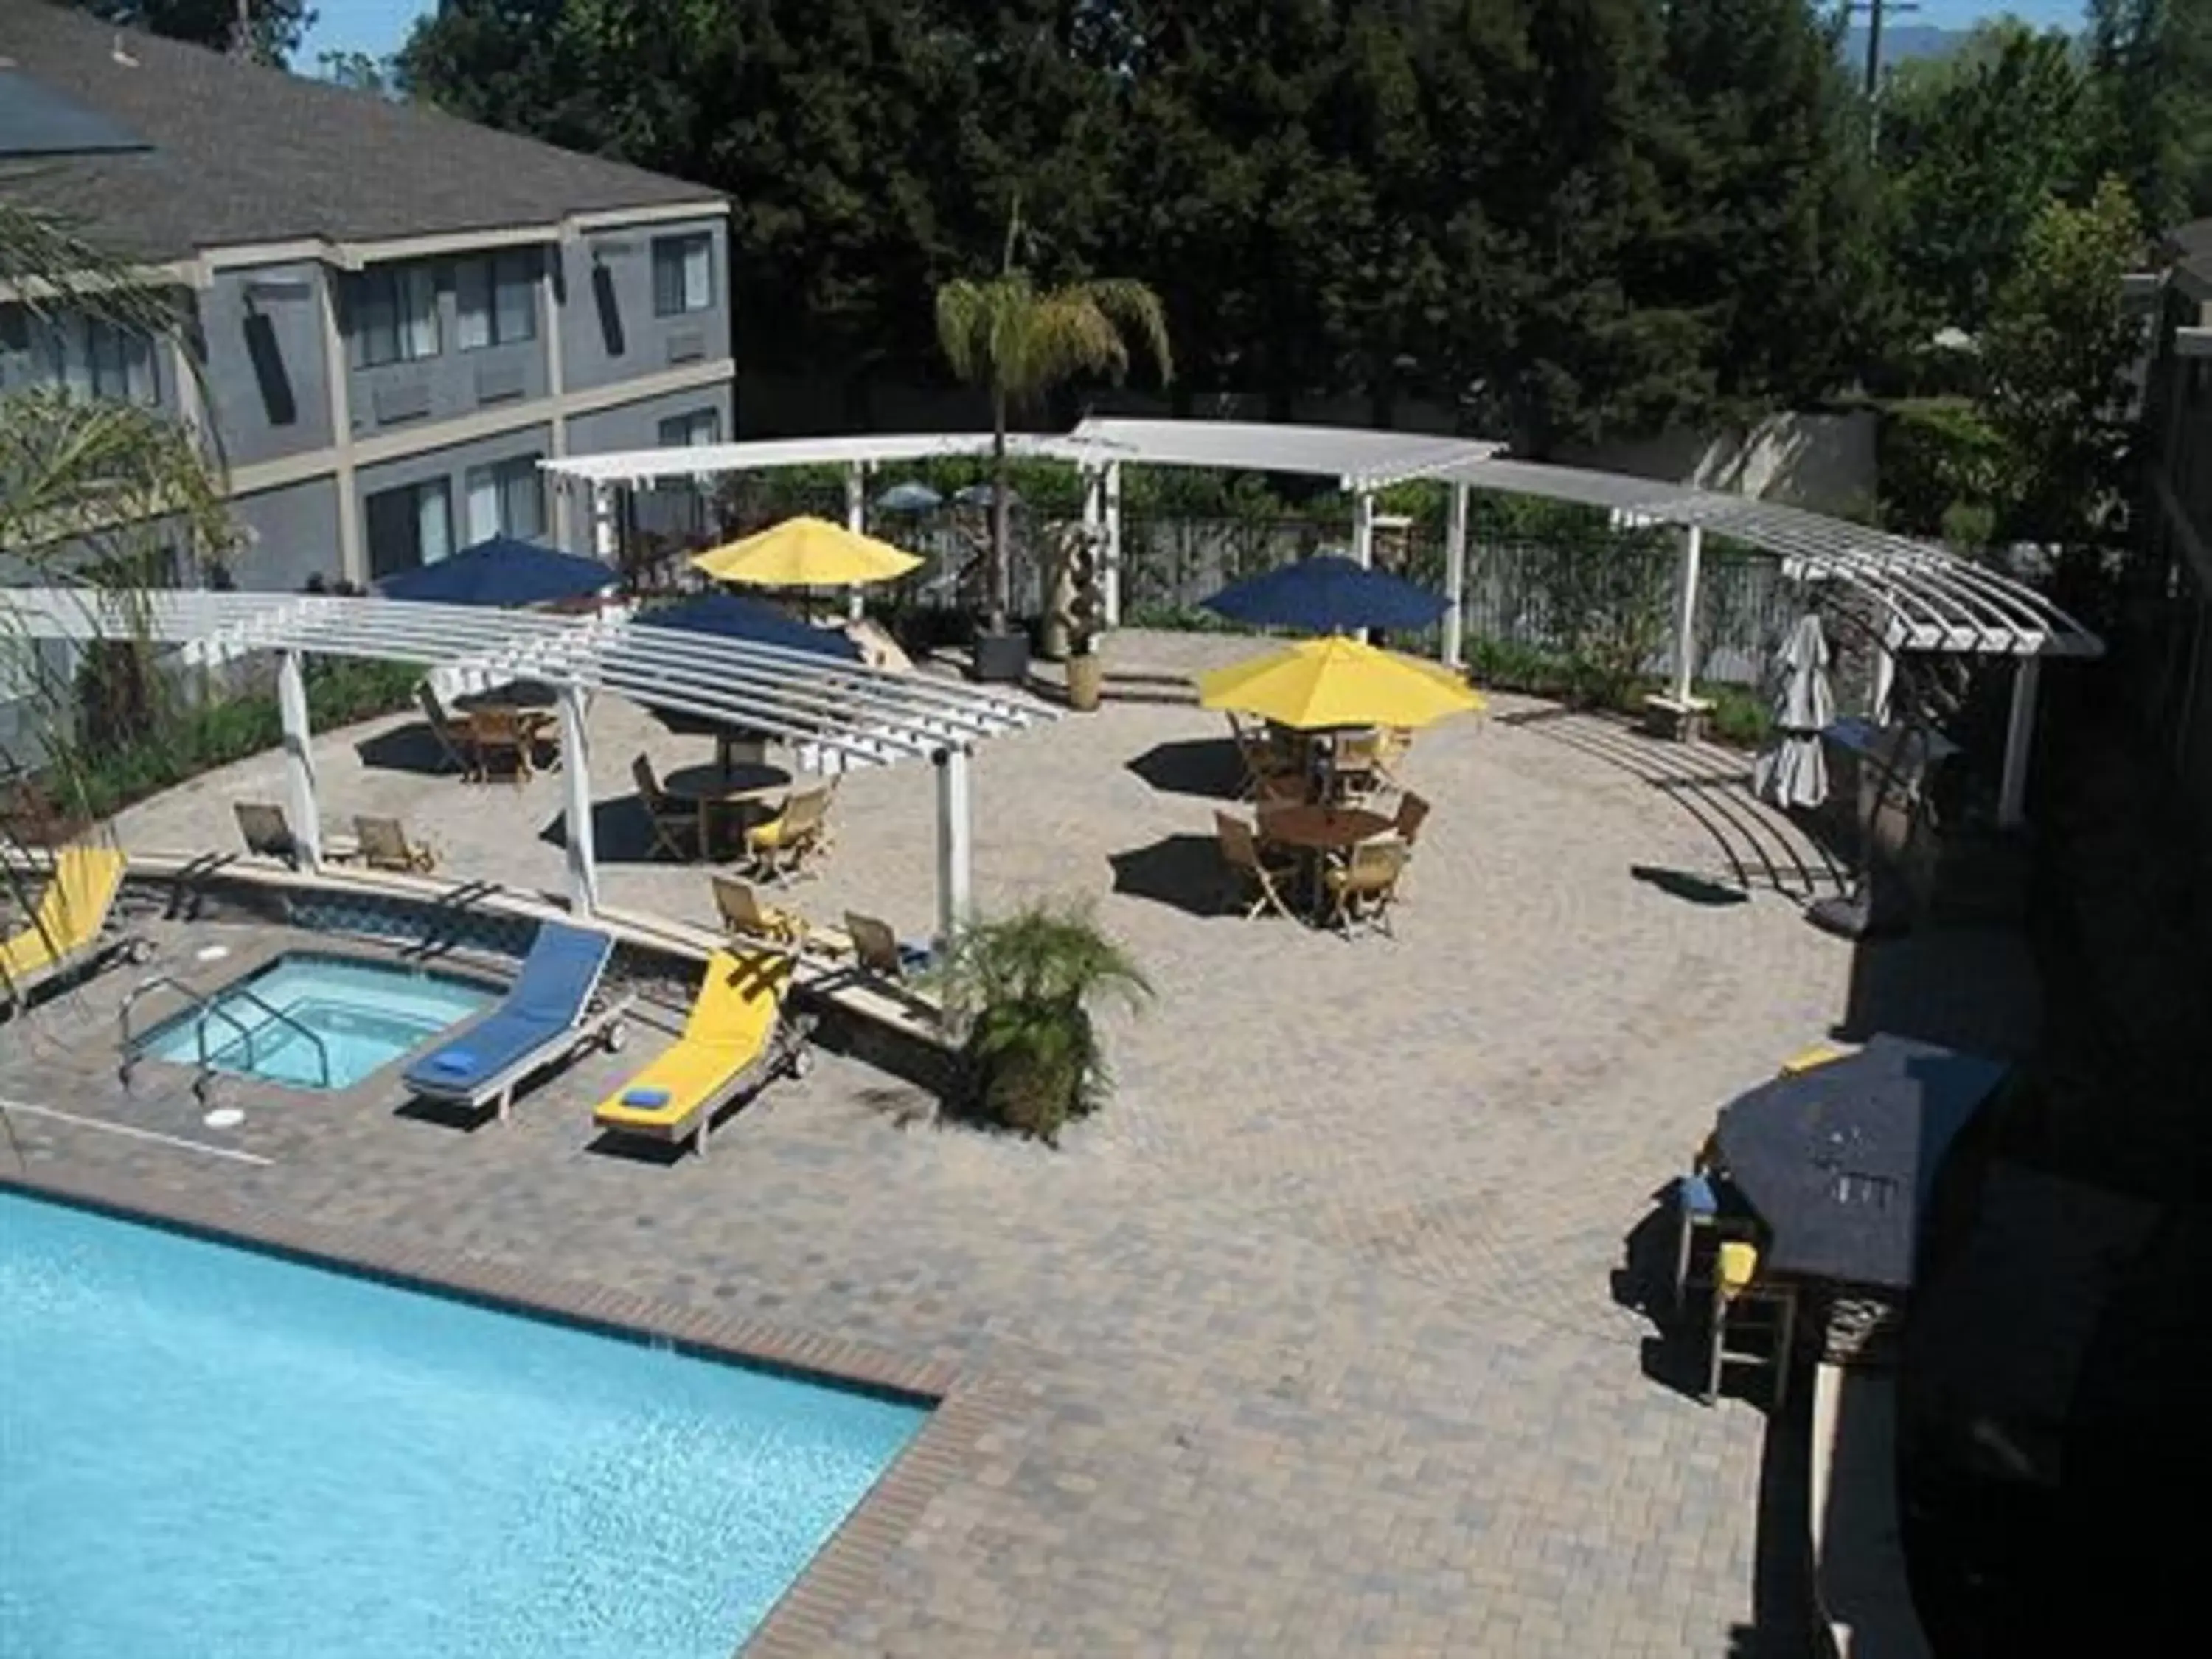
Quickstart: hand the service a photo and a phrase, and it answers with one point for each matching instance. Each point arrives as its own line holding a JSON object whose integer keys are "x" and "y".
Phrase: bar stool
{"x": 1744, "y": 1307}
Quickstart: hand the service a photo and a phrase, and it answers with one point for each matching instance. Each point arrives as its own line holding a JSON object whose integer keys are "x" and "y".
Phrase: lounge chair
{"x": 451, "y": 732}
{"x": 1251, "y": 874}
{"x": 736, "y": 1040}
{"x": 67, "y": 931}
{"x": 783, "y": 847}
{"x": 545, "y": 1019}
{"x": 385, "y": 845}
{"x": 269, "y": 833}
{"x": 678, "y": 826}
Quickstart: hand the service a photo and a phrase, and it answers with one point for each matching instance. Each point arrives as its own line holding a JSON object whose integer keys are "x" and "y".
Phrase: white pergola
{"x": 862, "y": 715}
{"x": 1928, "y": 599}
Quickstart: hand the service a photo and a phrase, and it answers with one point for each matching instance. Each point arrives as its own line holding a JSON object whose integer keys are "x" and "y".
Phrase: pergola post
{"x": 856, "y": 520}
{"x": 576, "y": 793}
{"x": 2020, "y": 740}
{"x": 954, "y": 841}
{"x": 1455, "y": 573}
{"x": 304, "y": 815}
{"x": 1109, "y": 582}
{"x": 1685, "y": 618}
{"x": 606, "y": 534}
{"x": 1363, "y": 528}
{"x": 1885, "y": 681}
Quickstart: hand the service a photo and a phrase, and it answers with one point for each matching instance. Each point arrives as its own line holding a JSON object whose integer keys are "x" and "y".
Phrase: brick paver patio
{"x": 1309, "y": 1342}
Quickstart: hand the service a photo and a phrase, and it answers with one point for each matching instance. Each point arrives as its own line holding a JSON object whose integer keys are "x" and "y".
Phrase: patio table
{"x": 725, "y": 790}
{"x": 518, "y": 695}
{"x": 1315, "y": 831}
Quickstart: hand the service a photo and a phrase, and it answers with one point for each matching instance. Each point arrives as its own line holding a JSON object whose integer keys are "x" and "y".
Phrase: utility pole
{"x": 1874, "y": 11}
{"x": 241, "y": 32}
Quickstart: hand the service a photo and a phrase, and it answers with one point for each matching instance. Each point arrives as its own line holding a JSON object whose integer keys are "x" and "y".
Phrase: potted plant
{"x": 1023, "y": 990}
{"x": 1020, "y": 341}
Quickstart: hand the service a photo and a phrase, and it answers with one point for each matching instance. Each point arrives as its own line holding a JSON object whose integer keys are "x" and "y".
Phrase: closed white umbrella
{"x": 1792, "y": 772}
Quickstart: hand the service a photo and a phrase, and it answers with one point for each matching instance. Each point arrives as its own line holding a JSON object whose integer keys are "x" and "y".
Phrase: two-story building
{"x": 396, "y": 315}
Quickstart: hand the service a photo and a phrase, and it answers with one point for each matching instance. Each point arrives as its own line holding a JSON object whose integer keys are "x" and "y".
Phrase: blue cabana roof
{"x": 1328, "y": 593}
{"x": 733, "y": 618}
{"x": 502, "y": 571}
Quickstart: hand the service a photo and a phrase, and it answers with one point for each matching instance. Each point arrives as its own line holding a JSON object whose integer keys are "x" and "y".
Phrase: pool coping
{"x": 842, "y": 1577}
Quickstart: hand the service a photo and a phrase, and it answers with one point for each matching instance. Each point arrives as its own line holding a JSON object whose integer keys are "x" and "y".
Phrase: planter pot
{"x": 1001, "y": 659}
{"x": 1086, "y": 682}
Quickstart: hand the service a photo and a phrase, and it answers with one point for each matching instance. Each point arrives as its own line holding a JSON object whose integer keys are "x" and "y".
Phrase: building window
{"x": 682, "y": 274}
{"x": 689, "y": 431}
{"x": 93, "y": 358}
{"x": 498, "y": 301}
{"x": 411, "y": 526}
{"x": 506, "y": 498}
{"x": 394, "y": 313}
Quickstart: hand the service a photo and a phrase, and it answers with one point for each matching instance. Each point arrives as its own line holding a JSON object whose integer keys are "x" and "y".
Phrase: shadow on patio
{"x": 1184, "y": 872}
{"x": 1205, "y": 767}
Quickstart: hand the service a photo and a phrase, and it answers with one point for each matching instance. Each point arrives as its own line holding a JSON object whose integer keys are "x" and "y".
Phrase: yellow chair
{"x": 736, "y": 1040}
{"x": 746, "y": 917}
{"x": 1821, "y": 1054}
{"x": 385, "y": 845}
{"x": 1252, "y": 872}
{"x": 781, "y": 847}
{"x": 66, "y": 930}
{"x": 1746, "y": 1305}
{"x": 1364, "y": 885}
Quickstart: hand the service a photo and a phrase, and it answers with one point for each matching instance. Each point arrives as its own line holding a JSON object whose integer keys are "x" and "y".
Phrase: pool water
{"x": 363, "y": 1014}
{"x": 205, "y": 1451}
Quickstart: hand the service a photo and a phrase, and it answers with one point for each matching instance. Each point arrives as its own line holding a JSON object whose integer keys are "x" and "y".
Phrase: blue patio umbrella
{"x": 1328, "y": 593}
{"x": 912, "y": 496}
{"x": 733, "y": 618}
{"x": 982, "y": 494}
{"x": 502, "y": 571}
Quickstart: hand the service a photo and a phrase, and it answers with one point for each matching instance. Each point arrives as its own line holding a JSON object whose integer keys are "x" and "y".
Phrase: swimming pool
{"x": 212, "y": 1450}
{"x": 283, "y": 1022}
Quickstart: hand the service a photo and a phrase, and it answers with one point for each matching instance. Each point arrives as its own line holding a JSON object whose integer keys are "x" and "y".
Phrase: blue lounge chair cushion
{"x": 1697, "y": 1195}
{"x": 550, "y": 994}
{"x": 645, "y": 1096}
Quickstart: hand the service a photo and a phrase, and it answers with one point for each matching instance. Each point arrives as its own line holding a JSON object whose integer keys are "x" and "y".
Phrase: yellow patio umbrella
{"x": 806, "y": 552}
{"x": 1338, "y": 682}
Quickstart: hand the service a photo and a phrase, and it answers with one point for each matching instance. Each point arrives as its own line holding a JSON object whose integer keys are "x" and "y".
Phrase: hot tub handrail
{"x": 207, "y": 1006}
{"x": 278, "y": 1016}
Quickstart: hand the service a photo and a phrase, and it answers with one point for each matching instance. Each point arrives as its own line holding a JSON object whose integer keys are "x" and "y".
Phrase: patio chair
{"x": 1707, "y": 1214}
{"x": 1412, "y": 813}
{"x": 736, "y": 1040}
{"x": 385, "y": 845}
{"x": 1262, "y": 759}
{"x": 1392, "y": 744}
{"x": 1362, "y": 886}
{"x": 499, "y": 734}
{"x": 450, "y": 730}
{"x": 746, "y": 917}
{"x": 785, "y": 846}
{"x": 67, "y": 933}
{"x": 1252, "y": 873}
{"x": 878, "y": 949}
{"x": 1355, "y": 770}
{"x": 679, "y": 827}
{"x": 268, "y": 834}
{"x": 547, "y": 1017}
{"x": 1754, "y": 1321}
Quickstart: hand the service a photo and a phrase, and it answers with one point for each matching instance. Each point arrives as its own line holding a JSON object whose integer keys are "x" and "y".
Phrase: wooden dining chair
{"x": 1252, "y": 872}
{"x": 1363, "y": 884}
{"x": 678, "y": 826}
{"x": 1392, "y": 744}
{"x": 1412, "y": 813}
{"x": 1754, "y": 1319}
{"x": 1262, "y": 758}
{"x": 786, "y": 846}
{"x": 745, "y": 916}
{"x": 450, "y": 732}
{"x": 1354, "y": 770}
{"x": 496, "y": 735}
{"x": 385, "y": 845}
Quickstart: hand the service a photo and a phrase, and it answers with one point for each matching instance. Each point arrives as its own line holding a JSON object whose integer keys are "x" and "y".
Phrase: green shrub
{"x": 1026, "y": 987}
{"x": 1936, "y": 455}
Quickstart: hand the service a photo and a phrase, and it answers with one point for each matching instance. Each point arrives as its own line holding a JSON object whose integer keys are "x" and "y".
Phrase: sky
{"x": 378, "y": 26}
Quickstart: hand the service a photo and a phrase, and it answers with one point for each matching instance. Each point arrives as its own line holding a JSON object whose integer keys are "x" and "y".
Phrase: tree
{"x": 1020, "y": 341}
{"x": 275, "y": 25}
{"x": 2058, "y": 356}
{"x": 361, "y": 71}
{"x": 2151, "y": 70}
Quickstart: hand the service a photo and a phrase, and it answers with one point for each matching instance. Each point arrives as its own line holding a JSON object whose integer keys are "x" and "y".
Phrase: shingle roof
{"x": 247, "y": 154}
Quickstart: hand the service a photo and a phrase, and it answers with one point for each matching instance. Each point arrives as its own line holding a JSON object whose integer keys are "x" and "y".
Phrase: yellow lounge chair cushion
{"x": 766, "y": 836}
{"x": 70, "y": 912}
{"x": 731, "y": 1023}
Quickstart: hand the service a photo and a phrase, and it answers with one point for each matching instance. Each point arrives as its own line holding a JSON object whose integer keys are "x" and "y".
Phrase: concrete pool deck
{"x": 1309, "y": 1343}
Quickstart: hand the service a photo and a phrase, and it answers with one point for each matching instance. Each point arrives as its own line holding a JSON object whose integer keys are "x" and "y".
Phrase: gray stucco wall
{"x": 451, "y": 464}
{"x": 292, "y": 534}
{"x": 608, "y": 331}
{"x": 392, "y": 397}
{"x": 20, "y": 367}
{"x": 635, "y": 425}
{"x": 268, "y": 381}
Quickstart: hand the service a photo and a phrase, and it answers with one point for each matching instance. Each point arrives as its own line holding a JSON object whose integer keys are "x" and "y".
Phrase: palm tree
{"x": 1021, "y": 341}
{"x": 92, "y": 489}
